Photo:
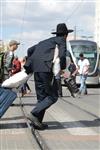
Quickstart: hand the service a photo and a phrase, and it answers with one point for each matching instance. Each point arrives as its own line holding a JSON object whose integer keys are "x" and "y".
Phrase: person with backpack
{"x": 8, "y": 58}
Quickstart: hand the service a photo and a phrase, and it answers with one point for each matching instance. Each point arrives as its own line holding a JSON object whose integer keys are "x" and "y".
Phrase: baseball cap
{"x": 13, "y": 42}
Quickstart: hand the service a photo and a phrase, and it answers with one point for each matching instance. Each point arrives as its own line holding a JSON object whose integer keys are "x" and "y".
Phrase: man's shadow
{"x": 73, "y": 124}
{"x": 52, "y": 125}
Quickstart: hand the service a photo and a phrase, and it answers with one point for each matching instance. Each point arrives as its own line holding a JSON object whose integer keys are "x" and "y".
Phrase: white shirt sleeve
{"x": 87, "y": 62}
{"x": 79, "y": 63}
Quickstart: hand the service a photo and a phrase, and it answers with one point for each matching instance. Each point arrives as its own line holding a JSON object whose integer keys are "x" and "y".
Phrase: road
{"x": 74, "y": 123}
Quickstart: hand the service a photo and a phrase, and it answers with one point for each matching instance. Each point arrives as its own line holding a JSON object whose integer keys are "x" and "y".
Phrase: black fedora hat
{"x": 62, "y": 29}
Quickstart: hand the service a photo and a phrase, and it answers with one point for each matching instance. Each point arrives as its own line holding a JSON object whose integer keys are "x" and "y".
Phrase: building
{"x": 1, "y": 46}
{"x": 97, "y": 22}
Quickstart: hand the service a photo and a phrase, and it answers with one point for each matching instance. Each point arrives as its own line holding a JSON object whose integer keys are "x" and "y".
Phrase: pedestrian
{"x": 83, "y": 69}
{"x": 40, "y": 61}
{"x": 8, "y": 58}
{"x": 16, "y": 66}
{"x": 72, "y": 69}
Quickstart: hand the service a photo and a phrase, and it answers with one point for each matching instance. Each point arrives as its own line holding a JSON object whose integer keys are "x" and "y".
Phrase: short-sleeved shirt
{"x": 83, "y": 66}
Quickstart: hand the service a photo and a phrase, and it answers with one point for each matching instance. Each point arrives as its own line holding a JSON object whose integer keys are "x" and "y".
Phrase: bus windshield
{"x": 89, "y": 51}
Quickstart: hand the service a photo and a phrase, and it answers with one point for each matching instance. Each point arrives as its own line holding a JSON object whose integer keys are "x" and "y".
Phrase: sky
{"x": 30, "y": 21}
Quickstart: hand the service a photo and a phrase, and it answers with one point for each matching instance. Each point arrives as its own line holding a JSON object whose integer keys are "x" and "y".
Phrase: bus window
{"x": 89, "y": 52}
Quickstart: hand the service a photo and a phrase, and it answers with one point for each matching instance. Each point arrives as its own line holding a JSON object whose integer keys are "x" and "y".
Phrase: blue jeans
{"x": 83, "y": 88}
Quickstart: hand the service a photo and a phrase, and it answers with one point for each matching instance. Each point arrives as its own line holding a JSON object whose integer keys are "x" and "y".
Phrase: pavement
{"x": 74, "y": 123}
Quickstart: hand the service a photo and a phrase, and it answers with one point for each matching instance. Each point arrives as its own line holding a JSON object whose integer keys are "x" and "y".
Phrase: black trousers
{"x": 46, "y": 91}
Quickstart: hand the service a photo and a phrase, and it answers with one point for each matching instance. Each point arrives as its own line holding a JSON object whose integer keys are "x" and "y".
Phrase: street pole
{"x": 74, "y": 32}
{"x": 87, "y": 37}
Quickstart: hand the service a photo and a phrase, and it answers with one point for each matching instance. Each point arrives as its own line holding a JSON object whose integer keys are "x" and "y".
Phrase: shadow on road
{"x": 53, "y": 125}
{"x": 73, "y": 124}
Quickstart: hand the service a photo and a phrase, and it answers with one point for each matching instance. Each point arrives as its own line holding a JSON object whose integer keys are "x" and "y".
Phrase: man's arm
{"x": 61, "y": 42}
{"x": 28, "y": 64}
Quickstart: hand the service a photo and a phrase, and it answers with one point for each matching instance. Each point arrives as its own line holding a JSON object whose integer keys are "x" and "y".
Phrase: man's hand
{"x": 62, "y": 72}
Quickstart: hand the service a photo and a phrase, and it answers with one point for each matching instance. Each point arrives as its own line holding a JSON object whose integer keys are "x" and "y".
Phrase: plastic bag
{"x": 16, "y": 80}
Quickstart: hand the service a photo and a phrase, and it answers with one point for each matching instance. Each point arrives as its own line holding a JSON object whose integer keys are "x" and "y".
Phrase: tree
{"x": 3, "y": 47}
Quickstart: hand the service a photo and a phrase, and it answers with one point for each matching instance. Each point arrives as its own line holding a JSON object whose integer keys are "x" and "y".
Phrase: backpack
{"x": 2, "y": 54}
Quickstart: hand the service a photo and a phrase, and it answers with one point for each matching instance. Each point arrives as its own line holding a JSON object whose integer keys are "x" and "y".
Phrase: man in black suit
{"x": 40, "y": 62}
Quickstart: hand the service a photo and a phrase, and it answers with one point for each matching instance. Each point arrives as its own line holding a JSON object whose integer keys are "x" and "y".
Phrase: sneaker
{"x": 34, "y": 120}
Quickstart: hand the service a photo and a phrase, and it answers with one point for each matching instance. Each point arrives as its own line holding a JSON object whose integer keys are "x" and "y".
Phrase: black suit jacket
{"x": 40, "y": 56}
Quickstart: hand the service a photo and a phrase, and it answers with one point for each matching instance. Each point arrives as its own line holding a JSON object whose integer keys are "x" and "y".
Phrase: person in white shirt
{"x": 83, "y": 69}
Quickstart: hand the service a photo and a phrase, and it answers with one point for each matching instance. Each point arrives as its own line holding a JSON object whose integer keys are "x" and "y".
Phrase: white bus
{"x": 91, "y": 52}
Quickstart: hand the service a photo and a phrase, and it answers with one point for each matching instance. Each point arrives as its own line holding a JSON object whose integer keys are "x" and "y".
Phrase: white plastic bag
{"x": 16, "y": 80}
{"x": 56, "y": 67}
{"x": 56, "y": 62}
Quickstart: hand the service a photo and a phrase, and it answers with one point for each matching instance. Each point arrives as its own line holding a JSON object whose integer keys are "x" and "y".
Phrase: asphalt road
{"x": 74, "y": 123}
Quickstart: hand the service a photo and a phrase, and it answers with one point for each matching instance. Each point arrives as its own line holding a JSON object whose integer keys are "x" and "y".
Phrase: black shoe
{"x": 85, "y": 93}
{"x": 43, "y": 127}
{"x": 34, "y": 120}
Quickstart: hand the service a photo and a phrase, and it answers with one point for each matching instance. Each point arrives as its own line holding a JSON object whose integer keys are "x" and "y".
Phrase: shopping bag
{"x": 16, "y": 80}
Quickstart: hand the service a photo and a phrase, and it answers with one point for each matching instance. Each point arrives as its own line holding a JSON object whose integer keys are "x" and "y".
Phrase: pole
{"x": 74, "y": 32}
